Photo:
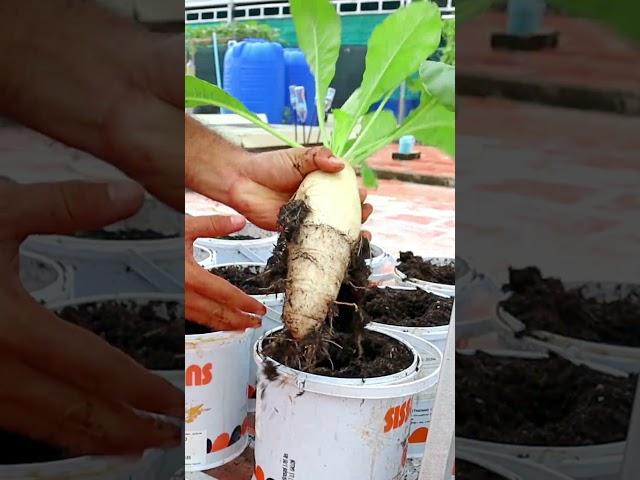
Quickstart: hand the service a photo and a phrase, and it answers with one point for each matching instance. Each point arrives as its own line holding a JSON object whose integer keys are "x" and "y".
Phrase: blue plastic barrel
{"x": 297, "y": 72}
{"x": 254, "y": 74}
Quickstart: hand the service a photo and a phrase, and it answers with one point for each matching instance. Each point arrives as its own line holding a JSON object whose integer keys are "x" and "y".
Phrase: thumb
{"x": 68, "y": 207}
{"x": 212, "y": 226}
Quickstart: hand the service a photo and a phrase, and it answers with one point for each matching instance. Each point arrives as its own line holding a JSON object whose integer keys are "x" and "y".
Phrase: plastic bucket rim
{"x": 223, "y": 242}
{"x": 59, "y": 285}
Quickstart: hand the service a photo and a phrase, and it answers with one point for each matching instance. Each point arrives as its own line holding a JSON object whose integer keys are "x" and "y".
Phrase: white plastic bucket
{"x": 619, "y": 357}
{"x": 600, "y": 462}
{"x": 233, "y": 251}
{"x": 205, "y": 257}
{"x": 438, "y": 288}
{"x": 114, "y": 266}
{"x": 216, "y": 376}
{"x": 272, "y": 319}
{"x": 46, "y": 280}
{"x": 89, "y": 468}
{"x": 382, "y": 266}
{"x": 314, "y": 427}
{"x": 508, "y": 467}
{"x": 423, "y": 405}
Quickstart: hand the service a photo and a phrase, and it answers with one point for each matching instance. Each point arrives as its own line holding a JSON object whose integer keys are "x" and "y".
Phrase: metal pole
{"x": 631, "y": 461}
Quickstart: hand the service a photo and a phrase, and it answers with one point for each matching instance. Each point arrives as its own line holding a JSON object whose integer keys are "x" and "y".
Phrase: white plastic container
{"x": 89, "y": 468}
{"x": 272, "y": 319}
{"x": 314, "y": 427}
{"x": 619, "y": 357}
{"x": 382, "y": 266}
{"x": 45, "y": 279}
{"x": 233, "y": 251}
{"x": 216, "y": 377}
{"x": 591, "y": 462}
{"x": 507, "y": 466}
{"x": 205, "y": 257}
{"x": 115, "y": 266}
{"x": 423, "y": 405}
{"x": 439, "y": 288}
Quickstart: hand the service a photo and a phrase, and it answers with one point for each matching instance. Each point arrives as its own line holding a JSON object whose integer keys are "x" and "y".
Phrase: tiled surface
{"x": 588, "y": 55}
{"x": 547, "y": 186}
{"x": 432, "y": 163}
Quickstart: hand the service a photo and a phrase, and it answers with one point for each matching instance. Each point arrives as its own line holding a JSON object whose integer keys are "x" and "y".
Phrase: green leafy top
{"x": 397, "y": 49}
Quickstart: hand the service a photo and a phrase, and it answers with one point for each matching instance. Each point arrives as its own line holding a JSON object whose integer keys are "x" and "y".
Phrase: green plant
{"x": 449, "y": 36}
{"x": 201, "y": 36}
{"x": 329, "y": 232}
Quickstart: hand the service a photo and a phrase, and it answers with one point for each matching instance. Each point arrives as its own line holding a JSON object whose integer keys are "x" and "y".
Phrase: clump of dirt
{"x": 415, "y": 266}
{"x": 129, "y": 234}
{"x": 546, "y": 304}
{"x": 471, "y": 471}
{"x": 19, "y": 449}
{"x": 239, "y": 237}
{"x": 252, "y": 279}
{"x": 543, "y": 402}
{"x": 406, "y": 308}
{"x": 193, "y": 328}
{"x": 152, "y": 333}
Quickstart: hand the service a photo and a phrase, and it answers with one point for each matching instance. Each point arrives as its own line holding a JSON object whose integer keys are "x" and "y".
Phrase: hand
{"x": 268, "y": 180}
{"x": 63, "y": 384}
{"x": 210, "y": 300}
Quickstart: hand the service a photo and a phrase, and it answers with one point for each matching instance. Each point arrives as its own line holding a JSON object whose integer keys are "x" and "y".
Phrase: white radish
{"x": 319, "y": 255}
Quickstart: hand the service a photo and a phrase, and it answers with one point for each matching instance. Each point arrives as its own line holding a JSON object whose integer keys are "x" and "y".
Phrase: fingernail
{"x": 125, "y": 193}
{"x": 237, "y": 221}
{"x": 338, "y": 162}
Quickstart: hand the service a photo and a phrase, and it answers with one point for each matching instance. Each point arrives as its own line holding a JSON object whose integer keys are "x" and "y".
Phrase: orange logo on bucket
{"x": 398, "y": 416}
{"x": 199, "y": 376}
{"x": 419, "y": 435}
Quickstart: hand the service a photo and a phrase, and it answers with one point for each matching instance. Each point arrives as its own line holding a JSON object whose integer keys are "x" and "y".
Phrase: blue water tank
{"x": 297, "y": 72}
{"x": 254, "y": 74}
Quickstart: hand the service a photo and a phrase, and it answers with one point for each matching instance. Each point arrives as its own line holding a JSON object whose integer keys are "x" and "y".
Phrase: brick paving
{"x": 433, "y": 167}
{"x": 590, "y": 59}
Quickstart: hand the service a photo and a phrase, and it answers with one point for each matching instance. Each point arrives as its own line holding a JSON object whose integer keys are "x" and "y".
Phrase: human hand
{"x": 210, "y": 300}
{"x": 268, "y": 180}
{"x": 63, "y": 384}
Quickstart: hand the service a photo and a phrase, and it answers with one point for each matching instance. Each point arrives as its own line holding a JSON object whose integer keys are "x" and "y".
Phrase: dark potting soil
{"x": 546, "y": 304}
{"x": 251, "y": 279}
{"x": 544, "y": 402}
{"x": 18, "y": 449}
{"x": 416, "y": 267}
{"x": 471, "y": 471}
{"x": 151, "y": 333}
{"x": 407, "y": 308}
{"x": 239, "y": 237}
{"x": 130, "y": 234}
{"x": 192, "y": 328}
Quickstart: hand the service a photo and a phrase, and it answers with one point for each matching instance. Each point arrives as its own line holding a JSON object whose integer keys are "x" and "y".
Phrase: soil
{"x": 18, "y": 449}
{"x": 407, "y": 308}
{"x": 192, "y": 328}
{"x": 471, "y": 471}
{"x": 543, "y": 402}
{"x": 239, "y": 237}
{"x": 36, "y": 275}
{"x": 416, "y": 267}
{"x": 546, "y": 304}
{"x": 130, "y": 234}
{"x": 251, "y": 279}
{"x": 151, "y": 333}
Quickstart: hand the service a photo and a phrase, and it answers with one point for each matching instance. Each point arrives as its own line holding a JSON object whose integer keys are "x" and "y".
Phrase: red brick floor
{"x": 432, "y": 163}
{"x": 547, "y": 186}
{"x": 589, "y": 55}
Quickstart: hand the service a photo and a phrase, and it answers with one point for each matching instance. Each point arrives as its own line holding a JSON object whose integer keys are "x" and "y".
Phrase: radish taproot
{"x": 319, "y": 253}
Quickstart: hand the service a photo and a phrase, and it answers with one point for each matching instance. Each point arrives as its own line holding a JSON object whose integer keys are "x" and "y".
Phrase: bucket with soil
{"x": 251, "y": 244}
{"x": 423, "y": 315}
{"x": 479, "y": 465}
{"x": 266, "y": 284}
{"x": 216, "y": 378}
{"x": 205, "y": 257}
{"x": 144, "y": 253}
{"x": 345, "y": 415}
{"x": 570, "y": 417}
{"x": 595, "y": 321}
{"x": 436, "y": 275}
{"x": 381, "y": 263}
{"x": 46, "y": 280}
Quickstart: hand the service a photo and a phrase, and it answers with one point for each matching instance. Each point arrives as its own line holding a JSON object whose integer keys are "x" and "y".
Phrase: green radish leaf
{"x": 341, "y": 123}
{"x": 317, "y": 25}
{"x": 395, "y": 51}
{"x": 432, "y": 124}
{"x": 439, "y": 79}
{"x": 383, "y": 125}
{"x": 369, "y": 177}
{"x": 199, "y": 92}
